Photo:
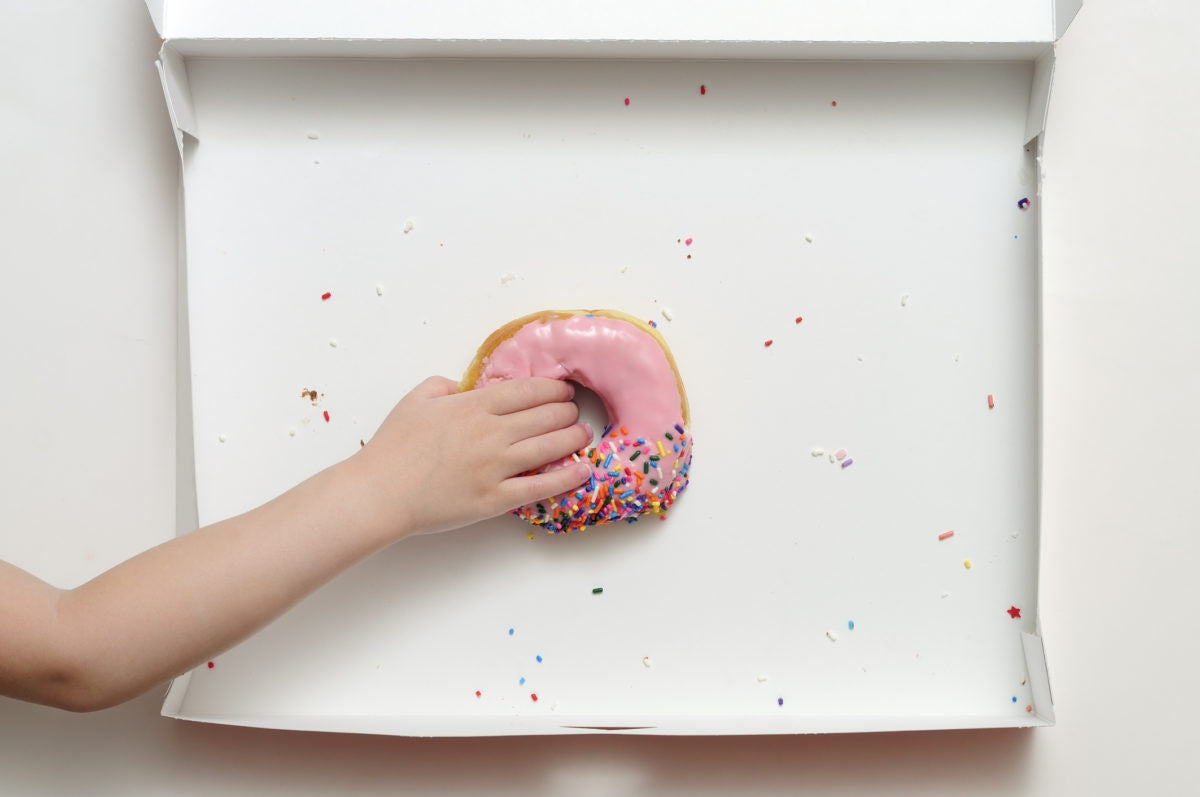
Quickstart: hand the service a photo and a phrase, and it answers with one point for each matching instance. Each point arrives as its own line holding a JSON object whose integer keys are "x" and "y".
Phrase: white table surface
{"x": 87, "y": 477}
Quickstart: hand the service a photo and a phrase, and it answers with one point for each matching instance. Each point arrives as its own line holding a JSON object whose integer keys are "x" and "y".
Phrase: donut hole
{"x": 591, "y": 410}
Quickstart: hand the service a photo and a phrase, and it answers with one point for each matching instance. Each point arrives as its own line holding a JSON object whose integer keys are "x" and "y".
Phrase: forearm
{"x": 182, "y": 602}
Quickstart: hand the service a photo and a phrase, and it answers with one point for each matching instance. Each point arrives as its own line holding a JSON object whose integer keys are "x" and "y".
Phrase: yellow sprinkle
{"x": 531, "y": 536}
{"x": 662, "y": 452}
{"x": 967, "y": 563}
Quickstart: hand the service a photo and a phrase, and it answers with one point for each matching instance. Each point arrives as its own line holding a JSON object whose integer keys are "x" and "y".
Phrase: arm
{"x": 440, "y": 460}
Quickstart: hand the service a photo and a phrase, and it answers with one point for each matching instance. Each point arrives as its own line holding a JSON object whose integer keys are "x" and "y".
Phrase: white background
{"x": 87, "y": 478}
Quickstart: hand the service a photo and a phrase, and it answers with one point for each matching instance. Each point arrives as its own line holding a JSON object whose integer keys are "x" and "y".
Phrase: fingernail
{"x": 588, "y": 428}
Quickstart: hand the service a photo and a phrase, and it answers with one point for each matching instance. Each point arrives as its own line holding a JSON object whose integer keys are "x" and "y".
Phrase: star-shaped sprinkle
{"x": 1014, "y": 613}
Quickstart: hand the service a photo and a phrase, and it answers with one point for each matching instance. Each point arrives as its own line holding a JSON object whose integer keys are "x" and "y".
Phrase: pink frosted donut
{"x": 641, "y": 463}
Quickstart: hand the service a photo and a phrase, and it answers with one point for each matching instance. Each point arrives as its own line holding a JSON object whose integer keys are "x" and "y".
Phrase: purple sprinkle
{"x": 679, "y": 428}
{"x": 781, "y": 701}
{"x": 1023, "y": 202}
{"x": 847, "y": 462}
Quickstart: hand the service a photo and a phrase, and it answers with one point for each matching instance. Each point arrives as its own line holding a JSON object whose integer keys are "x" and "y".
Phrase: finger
{"x": 521, "y": 490}
{"x": 535, "y": 452}
{"x": 515, "y": 395}
{"x": 540, "y": 420}
{"x": 435, "y": 386}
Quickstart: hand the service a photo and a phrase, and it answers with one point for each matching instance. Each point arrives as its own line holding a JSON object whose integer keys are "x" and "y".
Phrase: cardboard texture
{"x": 437, "y": 198}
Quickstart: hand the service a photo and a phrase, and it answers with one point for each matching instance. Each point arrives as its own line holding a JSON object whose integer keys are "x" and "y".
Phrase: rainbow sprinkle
{"x": 620, "y": 487}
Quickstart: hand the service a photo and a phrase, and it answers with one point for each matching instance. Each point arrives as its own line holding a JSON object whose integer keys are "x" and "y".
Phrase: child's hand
{"x": 444, "y": 459}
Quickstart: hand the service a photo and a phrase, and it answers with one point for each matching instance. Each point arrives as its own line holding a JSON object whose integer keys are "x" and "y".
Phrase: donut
{"x": 640, "y": 463}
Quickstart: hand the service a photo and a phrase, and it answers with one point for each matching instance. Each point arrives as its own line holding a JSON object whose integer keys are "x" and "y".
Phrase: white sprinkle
{"x": 945, "y": 594}
{"x": 624, "y": 269}
{"x": 1024, "y": 678}
{"x": 646, "y": 662}
{"x": 291, "y": 431}
{"x": 316, "y": 163}
{"x": 860, "y": 358}
{"x": 379, "y": 290}
{"x": 832, "y": 636}
{"x": 313, "y": 135}
{"x": 904, "y": 300}
{"x": 221, "y": 438}
{"x": 762, "y": 678}
{"x": 818, "y": 452}
{"x": 333, "y": 343}
{"x": 808, "y": 236}
{"x": 408, "y": 226}
{"x": 666, "y": 313}
{"x": 507, "y": 277}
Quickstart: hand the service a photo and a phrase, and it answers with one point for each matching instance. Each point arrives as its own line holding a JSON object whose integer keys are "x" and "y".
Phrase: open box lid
{"x": 754, "y": 30}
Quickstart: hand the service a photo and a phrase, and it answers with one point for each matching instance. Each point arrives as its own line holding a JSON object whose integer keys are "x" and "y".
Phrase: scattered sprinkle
{"x": 362, "y": 443}
{"x": 818, "y": 452}
{"x": 1014, "y": 612}
{"x": 333, "y": 343}
{"x": 512, "y": 631}
{"x": 1023, "y": 203}
{"x": 1014, "y": 699}
{"x": 623, "y": 269}
{"x": 409, "y": 225}
{"x": 221, "y": 438}
{"x": 991, "y": 402}
{"x": 967, "y": 563}
{"x": 703, "y": 89}
{"x": 533, "y": 696}
{"x": 325, "y": 295}
{"x": 808, "y": 237}
{"x": 687, "y": 241}
{"x": 626, "y": 100}
{"x": 291, "y": 431}
{"x": 666, "y": 313}
{"x": 781, "y": 701}
{"x": 833, "y": 104}
{"x": 799, "y": 318}
{"x": 539, "y": 658}
{"x": 507, "y": 277}
{"x": 840, "y": 454}
{"x": 326, "y": 414}
{"x": 211, "y": 665}
{"x": 379, "y": 290}
{"x": 767, "y": 343}
{"x": 762, "y": 678}
{"x": 945, "y": 535}
{"x": 945, "y": 595}
{"x": 850, "y": 625}
{"x": 904, "y": 300}
{"x": 478, "y": 693}
{"x": 314, "y": 135}
{"x": 847, "y": 462}
{"x": 646, "y": 662}
{"x": 531, "y": 536}
{"x": 1029, "y": 709}
{"x": 832, "y": 636}
{"x": 597, "y": 590}
{"x": 1024, "y": 679}
{"x": 653, "y": 324}
{"x": 522, "y": 681}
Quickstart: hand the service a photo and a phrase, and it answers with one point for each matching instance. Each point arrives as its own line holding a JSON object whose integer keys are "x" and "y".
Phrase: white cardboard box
{"x": 441, "y": 169}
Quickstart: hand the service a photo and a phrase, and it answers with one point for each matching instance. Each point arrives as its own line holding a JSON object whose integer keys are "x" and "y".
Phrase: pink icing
{"x": 624, "y": 365}
{"x": 641, "y": 464}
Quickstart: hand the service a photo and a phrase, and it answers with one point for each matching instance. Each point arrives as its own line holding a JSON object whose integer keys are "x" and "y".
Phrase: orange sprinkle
{"x": 991, "y": 402}
{"x": 624, "y": 430}
{"x": 945, "y": 535}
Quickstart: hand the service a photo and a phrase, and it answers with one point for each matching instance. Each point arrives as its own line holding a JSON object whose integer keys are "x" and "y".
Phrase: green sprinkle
{"x": 654, "y": 482}
{"x": 669, "y": 436}
{"x": 597, "y": 590}
{"x": 654, "y": 457}
{"x": 645, "y": 467}
{"x": 635, "y": 455}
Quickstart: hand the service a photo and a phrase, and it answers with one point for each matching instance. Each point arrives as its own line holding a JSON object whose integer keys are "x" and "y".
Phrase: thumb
{"x": 435, "y": 387}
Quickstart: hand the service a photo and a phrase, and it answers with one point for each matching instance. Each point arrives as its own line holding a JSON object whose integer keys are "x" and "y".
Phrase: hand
{"x": 443, "y": 459}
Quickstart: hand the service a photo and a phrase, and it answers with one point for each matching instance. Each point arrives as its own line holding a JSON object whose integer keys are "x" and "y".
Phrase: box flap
{"x": 866, "y": 21}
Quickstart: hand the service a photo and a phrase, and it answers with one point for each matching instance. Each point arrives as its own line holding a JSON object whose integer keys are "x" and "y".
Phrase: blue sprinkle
{"x": 641, "y": 441}
{"x": 522, "y": 681}
{"x": 539, "y": 658}
{"x": 851, "y": 624}
{"x": 512, "y": 631}
{"x": 676, "y": 447}
{"x": 608, "y": 460}
{"x": 1014, "y": 698}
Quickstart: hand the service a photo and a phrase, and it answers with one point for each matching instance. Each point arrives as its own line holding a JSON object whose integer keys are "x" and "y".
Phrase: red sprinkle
{"x": 768, "y": 342}
{"x": 991, "y": 402}
{"x": 478, "y": 693}
{"x": 703, "y": 89}
{"x": 325, "y": 295}
{"x": 211, "y": 665}
{"x": 945, "y": 535}
{"x": 326, "y": 413}
{"x": 533, "y": 697}
{"x": 833, "y": 104}
{"x": 626, "y": 102}
{"x": 799, "y": 318}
